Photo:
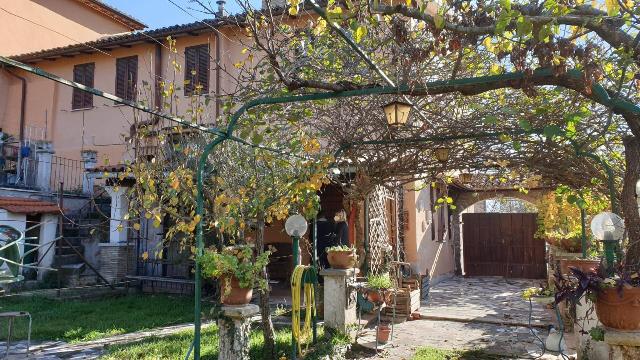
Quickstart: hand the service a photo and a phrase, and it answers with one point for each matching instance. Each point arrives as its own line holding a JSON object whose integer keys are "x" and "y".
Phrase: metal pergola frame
{"x": 228, "y": 133}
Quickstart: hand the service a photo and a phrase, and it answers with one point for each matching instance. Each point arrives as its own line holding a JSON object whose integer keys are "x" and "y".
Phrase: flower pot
{"x": 341, "y": 259}
{"x": 584, "y": 265}
{"x": 379, "y": 296}
{"x": 572, "y": 245}
{"x": 544, "y": 300}
{"x": 237, "y": 295}
{"x": 620, "y": 313}
{"x": 383, "y": 333}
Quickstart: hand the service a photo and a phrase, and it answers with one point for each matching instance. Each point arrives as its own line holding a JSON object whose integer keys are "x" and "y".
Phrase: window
{"x": 126, "y": 77}
{"x": 196, "y": 70}
{"x": 83, "y": 74}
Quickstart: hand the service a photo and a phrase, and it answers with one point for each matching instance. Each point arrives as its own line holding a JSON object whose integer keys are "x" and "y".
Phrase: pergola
{"x": 462, "y": 85}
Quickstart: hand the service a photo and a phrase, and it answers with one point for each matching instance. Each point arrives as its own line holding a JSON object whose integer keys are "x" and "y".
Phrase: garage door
{"x": 497, "y": 244}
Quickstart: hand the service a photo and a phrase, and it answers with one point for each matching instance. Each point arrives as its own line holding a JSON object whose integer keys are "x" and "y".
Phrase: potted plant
{"x": 383, "y": 332}
{"x": 542, "y": 295}
{"x": 341, "y": 257}
{"x": 238, "y": 271}
{"x": 616, "y": 297}
{"x": 377, "y": 286}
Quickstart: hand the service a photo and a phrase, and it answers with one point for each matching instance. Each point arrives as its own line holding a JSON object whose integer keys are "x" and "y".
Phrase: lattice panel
{"x": 379, "y": 229}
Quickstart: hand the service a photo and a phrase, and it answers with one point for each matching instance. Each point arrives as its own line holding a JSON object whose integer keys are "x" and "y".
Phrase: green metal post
{"x": 296, "y": 261}
{"x": 197, "y": 324}
{"x": 610, "y": 248}
{"x": 583, "y": 229}
{"x": 314, "y": 254}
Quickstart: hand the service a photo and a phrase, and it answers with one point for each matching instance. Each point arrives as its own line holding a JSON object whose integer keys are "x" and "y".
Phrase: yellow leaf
{"x": 145, "y": 256}
{"x": 136, "y": 226}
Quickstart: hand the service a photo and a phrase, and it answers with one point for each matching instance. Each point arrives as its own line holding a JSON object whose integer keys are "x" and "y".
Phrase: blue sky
{"x": 160, "y": 13}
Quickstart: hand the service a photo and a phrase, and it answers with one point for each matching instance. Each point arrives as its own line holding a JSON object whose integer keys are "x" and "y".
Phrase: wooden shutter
{"x": 196, "y": 60}
{"x": 83, "y": 74}
{"x": 126, "y": 77}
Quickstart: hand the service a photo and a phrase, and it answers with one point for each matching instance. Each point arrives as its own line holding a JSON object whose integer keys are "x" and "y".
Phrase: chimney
{"x": 220, "y": 12}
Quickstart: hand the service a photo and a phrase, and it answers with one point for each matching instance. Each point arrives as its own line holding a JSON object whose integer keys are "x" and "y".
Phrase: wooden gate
{"x": 499, "y": 244}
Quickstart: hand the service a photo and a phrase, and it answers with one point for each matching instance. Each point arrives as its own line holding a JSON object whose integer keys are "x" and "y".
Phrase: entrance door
{"x": 500, "y": 244}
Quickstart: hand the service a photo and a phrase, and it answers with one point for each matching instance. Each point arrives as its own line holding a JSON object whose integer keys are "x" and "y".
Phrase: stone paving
{"x": 471, "y": 313}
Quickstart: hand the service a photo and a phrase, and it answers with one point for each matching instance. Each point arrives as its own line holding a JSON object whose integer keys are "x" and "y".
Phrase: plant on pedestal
{"x": 377, "y": 288}
{"x": 616, "y": 297}
{"x": 237, "y": 269}
{"x": 341, "y": 257}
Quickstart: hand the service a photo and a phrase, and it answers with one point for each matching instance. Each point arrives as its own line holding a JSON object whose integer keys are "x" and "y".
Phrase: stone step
{"x": 68, "y": 250}
{"x": 68, "y": 259}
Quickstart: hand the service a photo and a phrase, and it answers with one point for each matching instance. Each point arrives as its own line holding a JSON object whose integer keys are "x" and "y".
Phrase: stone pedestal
{"x": 116, "y": 261}
{"x": 119, "y": 209}
{"x": 623, "y": 345}
{"x": 234, "y": 329}
{"x": 89, "y": 159}
{"x": 588, "y": 348}
{"x": 339, "y": 299}
{"x": 44, "y": 156}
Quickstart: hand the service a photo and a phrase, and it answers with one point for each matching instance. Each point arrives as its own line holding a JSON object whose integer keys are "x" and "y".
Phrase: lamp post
{"x": 296, "y": 227}
{"x": 608, "y": 228}
{"x": 397, "y": 112}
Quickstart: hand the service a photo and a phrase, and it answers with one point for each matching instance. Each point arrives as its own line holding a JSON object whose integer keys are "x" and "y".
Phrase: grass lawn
{"x": 176, "y": 346}
{"x": 430, "y": 353}
{"x": 84, "y": 320}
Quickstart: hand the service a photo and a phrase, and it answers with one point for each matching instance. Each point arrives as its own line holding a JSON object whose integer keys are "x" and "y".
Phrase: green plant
{"x": 597, "y": 333}
{"x": 382, "y": 281}
{"x": 235, "y": 261}
{"x": 340, "y": 248}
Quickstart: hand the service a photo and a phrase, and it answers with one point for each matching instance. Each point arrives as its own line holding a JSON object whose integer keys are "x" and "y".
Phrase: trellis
{"x": 380, "y": 242}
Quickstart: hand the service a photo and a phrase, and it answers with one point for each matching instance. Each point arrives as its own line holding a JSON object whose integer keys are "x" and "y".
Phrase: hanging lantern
{"x": 442, "y": 154}
{"x": 397, "y": 112}
{"x": 464, "y": 177}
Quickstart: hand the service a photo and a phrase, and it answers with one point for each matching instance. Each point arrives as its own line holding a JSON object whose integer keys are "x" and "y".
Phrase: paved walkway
{"x": 471, "y": 313}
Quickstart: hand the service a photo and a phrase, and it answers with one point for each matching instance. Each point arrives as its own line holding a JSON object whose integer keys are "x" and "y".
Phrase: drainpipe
{"x": 216, "y": 33}
{"x": 23, "y": 101}
{"x": 158, "y": 76}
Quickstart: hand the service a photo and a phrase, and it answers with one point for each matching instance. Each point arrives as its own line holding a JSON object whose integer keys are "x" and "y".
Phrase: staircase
{"x": 82, "y": 229}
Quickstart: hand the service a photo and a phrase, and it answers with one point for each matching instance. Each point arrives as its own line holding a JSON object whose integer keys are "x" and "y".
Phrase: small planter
{"x": 544, "y": 300}
{"x": 584, "y": 265}
{"x": 237, "y": 295}
{"x": 378, "y": 296}
{"x": 620, "y": 313}
{"x": 343, "y": 259}
{"x": 383, "y": 333}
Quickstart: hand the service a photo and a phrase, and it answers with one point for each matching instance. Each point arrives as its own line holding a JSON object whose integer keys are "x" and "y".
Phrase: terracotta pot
{"x": 237, "y": 295}
{"x": 341, "y": 259}
{"x": 383, "y": 333}
{"x": 584, "y": 265}
{"x": 620, "y": 313}
{"x": 378, "y": 296}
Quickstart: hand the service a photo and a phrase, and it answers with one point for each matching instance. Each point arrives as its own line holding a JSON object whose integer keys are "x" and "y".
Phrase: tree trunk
{"x": 629, "y": 201}
{"x": 265, "y": 310}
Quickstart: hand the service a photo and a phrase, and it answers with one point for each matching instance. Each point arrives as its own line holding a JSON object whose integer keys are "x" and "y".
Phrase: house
{"x": 92, "y": 133}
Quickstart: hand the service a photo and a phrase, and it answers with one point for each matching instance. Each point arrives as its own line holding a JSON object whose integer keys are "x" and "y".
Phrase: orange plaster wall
{"x": 425, "y": 255}
{"x": 72, "y": 22}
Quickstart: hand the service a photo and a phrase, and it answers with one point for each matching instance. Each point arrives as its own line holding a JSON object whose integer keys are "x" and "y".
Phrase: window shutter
{"x": 190, "y": 66}
{"x": 196, "y": 59}
{"x": 83, "y": 74}
{"x": 77, "y": 97}
{"x": 88, "y": 78}
{"x": 126, "y": 77}
{"x": 203, "y": 68}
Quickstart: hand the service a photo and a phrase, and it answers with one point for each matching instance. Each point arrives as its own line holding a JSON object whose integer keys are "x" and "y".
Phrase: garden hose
{"x": 297, "y": 278}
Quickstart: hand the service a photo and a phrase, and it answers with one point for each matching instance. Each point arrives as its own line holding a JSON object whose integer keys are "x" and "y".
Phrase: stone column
{"x": 47, "y": 235}
{"x": 119, "y": 208}
{"x": 89, "y": 159}
{"x": 234, "y": 330}
{"x": 116, "y": 261}
{"x": 585, "y": 320}
{"x": 339, "y": 299}
{"x": 623, "y": 345}
{"x": 44, "y": 155}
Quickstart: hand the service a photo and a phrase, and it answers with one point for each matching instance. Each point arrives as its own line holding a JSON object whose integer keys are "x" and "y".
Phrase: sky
{"x": 161, "y": 13}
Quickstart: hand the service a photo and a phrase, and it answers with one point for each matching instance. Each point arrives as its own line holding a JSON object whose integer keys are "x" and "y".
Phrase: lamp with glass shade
{"x": 397, "y": 112}
{"x": 442, "y": 154}
{"x": 465, "y": 177}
